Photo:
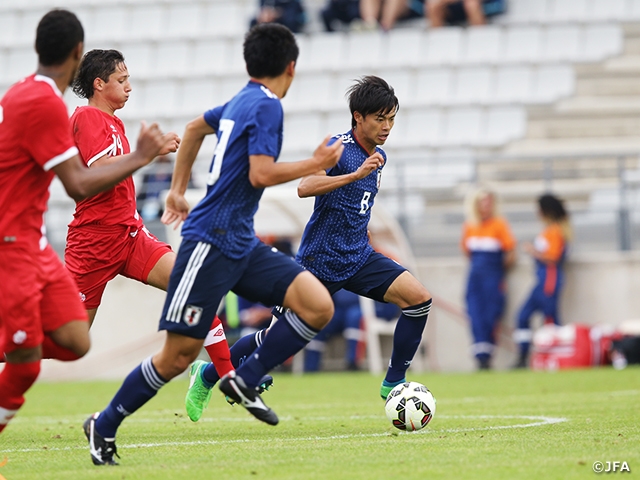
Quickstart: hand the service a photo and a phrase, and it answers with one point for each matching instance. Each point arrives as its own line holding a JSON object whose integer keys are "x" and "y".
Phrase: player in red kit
{"x": 41, "y": 315}
{"x": 107, "y": 237}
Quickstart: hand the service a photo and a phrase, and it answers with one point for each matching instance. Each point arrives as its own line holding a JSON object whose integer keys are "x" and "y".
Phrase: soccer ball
{"x": 410, "y": 406}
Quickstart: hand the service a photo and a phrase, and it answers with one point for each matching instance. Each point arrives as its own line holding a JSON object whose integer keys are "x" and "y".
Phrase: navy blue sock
{"x": 240, "y": 350}
{"x": 406, "y": 340}
{"x": 137, "y": 389}
{"x": 286, "y": 337}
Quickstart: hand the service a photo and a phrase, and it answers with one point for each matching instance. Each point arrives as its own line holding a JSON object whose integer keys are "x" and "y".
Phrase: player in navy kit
{"x": 220, "y": 251}
{"x": 335, "y": 244}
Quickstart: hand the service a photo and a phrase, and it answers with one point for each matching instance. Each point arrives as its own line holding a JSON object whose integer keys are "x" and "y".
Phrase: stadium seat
{"x": 185, "y": 20}
{"x": 561, "y": 43}
{"x": 504, "y": 124}
{"x": 20, "y": 63}
{"x": 604, "y": 10}
{"x": 601, "y": 41}
{"x": 402, "y": 82}
{"x": 325, "y": 52}
{"x": 513, "y": 84}
{"x": 8, "y": 24}
{"x": 199, "y": 95}
{"x": 337, "y": 123}
{"x": 419, "y": 127}
{"x": 209, "y": 56}
{"x": 524, "y": 11}
{"x": 363, "y": 49}
{"x": 463, "y": 126}
{"x": 312, "y": 92}
{"x": 434, "y": 86}
{"x": 405, "y": 47}
{"x": 147, "y": 22}
{"x": 444, "y": 46}
{"x": 303, "y": 131}
{"x": 483, "y": 45}
{"x": 140, "y": 58}
{"x": 161, "y": 99}
{"x": 173, "y": 58}
{"x": 473, "y": 85}
{"x": 568, "y": 11}
{"x": 107, "y": 23}
{"x": 225, "y": 19}
{"x": 552, "y": 82}
{"x": 522, "y": 44}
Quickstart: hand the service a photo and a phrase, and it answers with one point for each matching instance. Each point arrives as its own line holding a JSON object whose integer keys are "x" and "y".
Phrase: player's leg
{"x": 477, "y": 311}
{"x": 415, "y": 302}
{"x": 273, "y": 278}
{"x": 523, "y": 334}
{"x": 353, "y": 335}
{"x": 21, "y": 369}
{"x": 151, "y": 262}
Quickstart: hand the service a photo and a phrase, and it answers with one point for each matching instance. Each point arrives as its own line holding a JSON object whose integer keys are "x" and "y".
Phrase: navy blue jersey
{"x": 250, "y": 124}
{"x": 335, "y": 244}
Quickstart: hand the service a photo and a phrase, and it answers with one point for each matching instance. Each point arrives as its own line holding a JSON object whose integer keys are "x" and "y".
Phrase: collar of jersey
{"x": 357, "y": 142}
{"x": 49, "y": 80}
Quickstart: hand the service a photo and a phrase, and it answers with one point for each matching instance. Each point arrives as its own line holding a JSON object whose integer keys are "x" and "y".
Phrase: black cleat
{"x": 233, "y": 387}
{"x": 102, "y": 451}
{"x": 266, "y": 383}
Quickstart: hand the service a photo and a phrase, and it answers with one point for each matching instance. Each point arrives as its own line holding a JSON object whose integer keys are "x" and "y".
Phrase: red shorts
{"x": 37, "y": 296}
{"x": 96, "y": 254}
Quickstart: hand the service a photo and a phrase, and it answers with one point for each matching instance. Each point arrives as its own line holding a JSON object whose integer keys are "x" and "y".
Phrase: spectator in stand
{"x": 388, "y": 12}
{"x": 460, "y": 12}
{"x": 289, "y": 13}
{"x": 490, "y": 246}
{"x": 549, "y": 251}
{"x": 342, "y": 11}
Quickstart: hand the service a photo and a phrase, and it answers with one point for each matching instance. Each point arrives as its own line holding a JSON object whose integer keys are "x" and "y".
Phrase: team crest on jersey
{"x": 192, "y": 315}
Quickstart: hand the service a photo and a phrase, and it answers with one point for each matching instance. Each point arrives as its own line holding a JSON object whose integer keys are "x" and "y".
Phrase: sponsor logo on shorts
{"x": 192, "y": 315}
{"x": 83, "y": 297}
{"x": 19, "y": 337}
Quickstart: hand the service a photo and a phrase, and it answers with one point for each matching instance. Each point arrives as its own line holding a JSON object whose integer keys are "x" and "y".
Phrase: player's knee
{"x": 81, "y": 346}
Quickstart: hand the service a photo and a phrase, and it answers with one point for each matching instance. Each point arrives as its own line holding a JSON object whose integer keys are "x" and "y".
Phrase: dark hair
{"x": 268, "y": 49}
{"x": 95, "y": 64}
{"x": 369, "y": 95}
{"x": 552, "y": 207}
{"x": 58, "y": 33}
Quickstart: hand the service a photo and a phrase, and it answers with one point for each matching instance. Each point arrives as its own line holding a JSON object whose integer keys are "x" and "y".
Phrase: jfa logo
{"x": 611, "y": 467}
{"x": 192, "y": 315}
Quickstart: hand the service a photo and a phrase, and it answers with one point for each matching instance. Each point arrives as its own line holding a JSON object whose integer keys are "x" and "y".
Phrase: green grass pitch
{"x": 494, "y": 425}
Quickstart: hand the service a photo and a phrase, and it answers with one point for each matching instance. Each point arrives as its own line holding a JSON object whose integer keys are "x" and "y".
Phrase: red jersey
{"x": 34, "y": 137}
{"x": 97, "y": 134}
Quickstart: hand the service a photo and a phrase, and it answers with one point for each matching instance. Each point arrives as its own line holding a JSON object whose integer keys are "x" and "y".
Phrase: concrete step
{"x": 599, "y": 105}
{"x": 547, "y": 146}
{"x": 573, "y": 125}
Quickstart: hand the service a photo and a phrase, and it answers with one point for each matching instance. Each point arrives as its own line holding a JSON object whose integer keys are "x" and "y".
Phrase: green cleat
{"x": 199, "y": 394}
{"x": 385, "y": 388}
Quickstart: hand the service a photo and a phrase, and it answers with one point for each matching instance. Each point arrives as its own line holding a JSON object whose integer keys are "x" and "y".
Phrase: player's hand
{"x": 328, "y": 155}
{"x": 150, "y": 142}
{"x": 372, "y": 163}
{"x": 176, "y": 209}
{"x": 171, "y": 143}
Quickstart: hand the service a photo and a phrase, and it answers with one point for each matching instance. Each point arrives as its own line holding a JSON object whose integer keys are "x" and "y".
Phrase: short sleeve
{"x": 265, "y": 135}
{"x": 555, "y": 243}
{"x": 48, "y": 136}
{"x": 465, "y": 235}
{"x": 91, "y": 134}
{"x": 212, "y": 117}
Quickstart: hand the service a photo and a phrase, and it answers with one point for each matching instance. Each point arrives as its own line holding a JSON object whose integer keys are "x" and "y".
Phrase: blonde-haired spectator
{"x": 488, "y": 243}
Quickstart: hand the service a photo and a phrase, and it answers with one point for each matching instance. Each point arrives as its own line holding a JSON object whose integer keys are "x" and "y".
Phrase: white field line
{"x": 533, "y": 421}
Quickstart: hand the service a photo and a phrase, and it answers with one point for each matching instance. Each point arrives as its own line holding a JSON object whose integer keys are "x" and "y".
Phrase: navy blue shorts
{"x": 203, "y": 275}
{"x": 372, "y": 280}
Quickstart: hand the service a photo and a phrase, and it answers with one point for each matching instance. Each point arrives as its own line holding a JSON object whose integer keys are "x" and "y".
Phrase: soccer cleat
{"x": 233, "y": 386}
{"x": 385, "y": 388}
{"x": 102, "y": 451}
{"x": 198, "y": 394}
{"x": 265, "y": 384}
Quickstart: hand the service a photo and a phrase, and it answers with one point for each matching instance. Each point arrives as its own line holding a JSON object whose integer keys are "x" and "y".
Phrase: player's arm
{"x": 177, "y": 207}
{"x": 265, "y": 172}
{"x": 81, "y": 182}
{"x": 320, "y": 183}
{"x": 170, "y": 145}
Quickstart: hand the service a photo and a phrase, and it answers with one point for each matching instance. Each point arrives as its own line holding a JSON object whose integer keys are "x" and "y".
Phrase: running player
{"x": 41, "y": 315}
{"x": 220, "y": 251}
{"x": 107, "y": 237}
{"x": 490, "y": 246}
{"x": 335, "y": 245}
{"x": 549, "y": 251}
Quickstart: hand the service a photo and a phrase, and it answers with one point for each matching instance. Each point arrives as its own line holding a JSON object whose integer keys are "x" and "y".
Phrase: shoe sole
{"x": 231, "y": 389}
{"x": 87, "y": 426}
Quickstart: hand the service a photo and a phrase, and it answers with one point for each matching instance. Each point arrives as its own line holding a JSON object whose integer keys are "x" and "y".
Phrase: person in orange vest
{"x": 549, "y": 251}
{"x": 488, "y": 243}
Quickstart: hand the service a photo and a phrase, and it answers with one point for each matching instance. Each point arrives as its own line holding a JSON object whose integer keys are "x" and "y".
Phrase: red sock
{"x": 218, "y": 349}
{"x": 15, "y": 380}
{"x": 51, "y": 349}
